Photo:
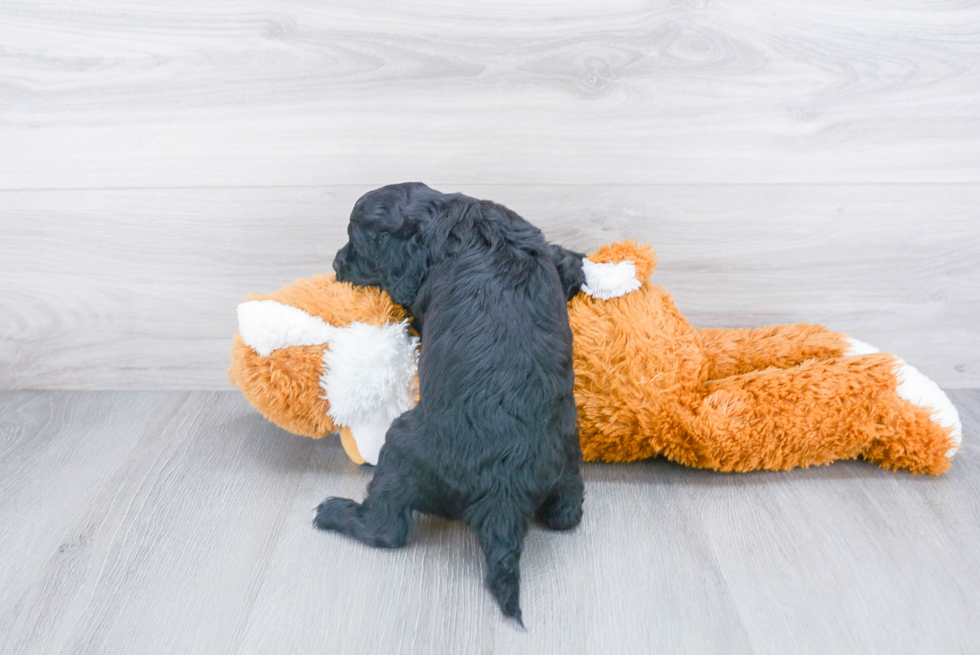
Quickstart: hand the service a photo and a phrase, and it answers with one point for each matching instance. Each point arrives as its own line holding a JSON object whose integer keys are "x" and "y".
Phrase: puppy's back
{"x": 497, "y": 355}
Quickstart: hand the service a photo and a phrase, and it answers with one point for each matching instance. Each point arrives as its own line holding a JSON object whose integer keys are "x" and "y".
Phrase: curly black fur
{"x": 493, "y": 441}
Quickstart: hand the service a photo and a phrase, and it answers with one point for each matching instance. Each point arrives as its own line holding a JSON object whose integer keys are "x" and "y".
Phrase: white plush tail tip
{"x": 916, "y": 388}
{"x": 855, "y": 347}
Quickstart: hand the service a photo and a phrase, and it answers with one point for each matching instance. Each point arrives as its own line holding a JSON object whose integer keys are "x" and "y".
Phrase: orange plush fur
{"x": 648, "y": 383}
{"x": 285, "y": 386}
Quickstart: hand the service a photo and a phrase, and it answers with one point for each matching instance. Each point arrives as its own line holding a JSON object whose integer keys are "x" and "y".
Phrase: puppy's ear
{"x": 569, "y": 265}
{"x": 405, "y": 268}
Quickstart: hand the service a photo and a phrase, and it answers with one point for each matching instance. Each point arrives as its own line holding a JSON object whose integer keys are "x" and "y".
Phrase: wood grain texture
{"x": 106, "y": 93}
{"x": 108, "y": 289}
{"x": 180, "y": 522}
{"x": 60, "y": 471}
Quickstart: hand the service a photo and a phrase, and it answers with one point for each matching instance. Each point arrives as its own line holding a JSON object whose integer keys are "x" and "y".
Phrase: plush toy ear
{"x": 267, "y": 325}
{"x": 643, "y": 259}
{"x": 617, "y": 269}
{"x": 609, "y": 280}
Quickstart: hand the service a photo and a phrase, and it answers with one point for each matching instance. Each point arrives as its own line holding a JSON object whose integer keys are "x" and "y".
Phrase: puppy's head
{"x": 385, "y": 245}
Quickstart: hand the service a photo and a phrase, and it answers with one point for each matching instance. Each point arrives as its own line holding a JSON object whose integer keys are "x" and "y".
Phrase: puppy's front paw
{"x": 336, "y": 514}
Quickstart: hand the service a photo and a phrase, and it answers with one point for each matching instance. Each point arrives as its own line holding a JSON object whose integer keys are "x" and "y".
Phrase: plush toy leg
{"x": 742, "y": 350}
{"x": 815, "y": 413}
{"x": 933, "y": 408}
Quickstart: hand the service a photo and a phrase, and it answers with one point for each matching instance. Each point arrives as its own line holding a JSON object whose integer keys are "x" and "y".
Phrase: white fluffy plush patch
{"x": 369, "y": 371}
{"x": 369, "y": 438}
{"x": 369, "y": 377}
{"x": 266, "y": 325}
{"x": 916, "y": 388}
{"x": 856, "y": 347}
{"x": 609, "y": 279}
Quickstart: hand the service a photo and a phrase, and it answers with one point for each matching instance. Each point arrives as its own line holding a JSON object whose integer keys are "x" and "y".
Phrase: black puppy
{"x": 493, "y": 440}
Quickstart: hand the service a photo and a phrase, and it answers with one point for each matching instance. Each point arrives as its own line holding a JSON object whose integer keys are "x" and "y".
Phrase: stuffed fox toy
{"x": 320, "y": 356}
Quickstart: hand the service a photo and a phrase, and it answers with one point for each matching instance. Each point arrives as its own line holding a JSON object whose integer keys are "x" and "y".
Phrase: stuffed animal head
{"x": 320, "y": 356}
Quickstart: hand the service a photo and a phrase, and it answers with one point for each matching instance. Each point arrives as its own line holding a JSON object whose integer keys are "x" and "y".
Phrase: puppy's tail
{"x": 502, "y": 538}
{"x": 504, "y": 580}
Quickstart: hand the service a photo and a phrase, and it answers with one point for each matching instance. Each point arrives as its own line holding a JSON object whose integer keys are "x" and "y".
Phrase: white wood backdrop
{"x": 790, "y": 160}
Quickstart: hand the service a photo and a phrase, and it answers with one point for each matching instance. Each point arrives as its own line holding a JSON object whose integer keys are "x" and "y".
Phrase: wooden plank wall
{"x": 791, "y": 161}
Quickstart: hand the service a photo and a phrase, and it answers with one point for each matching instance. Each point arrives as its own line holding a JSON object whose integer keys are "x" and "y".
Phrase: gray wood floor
{"x": 179, "y": 522}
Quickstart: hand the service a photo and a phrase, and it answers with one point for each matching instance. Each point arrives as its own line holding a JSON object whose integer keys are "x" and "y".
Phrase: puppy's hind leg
{"x": 501, "y": 526}
{"x": 562, "y": 509}
{"x": 384, "y": 519}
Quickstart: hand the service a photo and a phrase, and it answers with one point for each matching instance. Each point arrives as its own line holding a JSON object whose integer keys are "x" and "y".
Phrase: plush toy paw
{"x": 919, "y": 390}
